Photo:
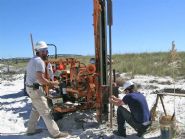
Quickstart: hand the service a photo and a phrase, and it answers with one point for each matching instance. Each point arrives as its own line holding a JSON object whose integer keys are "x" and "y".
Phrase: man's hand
{"x": 112, "y": 98}
{"x": 53, "y": 83}
{"x": 115, "y": 100}
{"x": 119, "y": 102}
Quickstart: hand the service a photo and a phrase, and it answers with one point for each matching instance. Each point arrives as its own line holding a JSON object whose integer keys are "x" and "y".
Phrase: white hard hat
{"x": 40, "y": 45}
{"x": 126, "y": 85}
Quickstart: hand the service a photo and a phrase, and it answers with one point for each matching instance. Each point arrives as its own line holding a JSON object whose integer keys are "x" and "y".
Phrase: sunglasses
{"x": 44, "y": 50}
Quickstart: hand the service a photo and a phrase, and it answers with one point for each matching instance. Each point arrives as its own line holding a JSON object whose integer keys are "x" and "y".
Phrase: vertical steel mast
{"x": 100, "y": 38}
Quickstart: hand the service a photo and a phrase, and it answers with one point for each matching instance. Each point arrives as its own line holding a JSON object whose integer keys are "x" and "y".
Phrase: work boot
{"x": 141, "y": 133}
{"x": 121, "y": 134}
{"x": 144, "y": 128}
{"x": 37, "y": 131}
{"x": 62, "y": 135}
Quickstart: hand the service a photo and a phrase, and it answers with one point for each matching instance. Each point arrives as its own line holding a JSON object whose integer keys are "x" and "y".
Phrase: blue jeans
{"x": 123, "y": 115}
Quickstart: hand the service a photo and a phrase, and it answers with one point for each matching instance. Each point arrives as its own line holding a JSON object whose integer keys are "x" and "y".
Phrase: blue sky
{"x": 138, "y": 26}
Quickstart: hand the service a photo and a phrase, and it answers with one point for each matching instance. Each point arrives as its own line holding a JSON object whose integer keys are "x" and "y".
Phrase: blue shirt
{"x": 138, "y": 106}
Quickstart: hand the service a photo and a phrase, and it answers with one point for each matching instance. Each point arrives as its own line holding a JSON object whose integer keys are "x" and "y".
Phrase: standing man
{"x": 35, "y": 80}
{"x": 139, "y": 115}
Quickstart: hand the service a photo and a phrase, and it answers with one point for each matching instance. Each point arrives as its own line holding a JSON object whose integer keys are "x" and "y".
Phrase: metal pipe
{"x": 110, "y": 51}
{"x": 109, "y": 11}
{"x": 55, "y": 49}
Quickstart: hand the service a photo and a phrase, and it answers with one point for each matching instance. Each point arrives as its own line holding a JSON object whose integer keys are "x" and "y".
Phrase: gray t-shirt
{"x": 35, "y": 64}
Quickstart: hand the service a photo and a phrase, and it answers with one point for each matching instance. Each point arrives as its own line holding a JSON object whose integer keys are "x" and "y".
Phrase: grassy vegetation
{"x": 16, "y": 63}
{"x": 158, "y": 63}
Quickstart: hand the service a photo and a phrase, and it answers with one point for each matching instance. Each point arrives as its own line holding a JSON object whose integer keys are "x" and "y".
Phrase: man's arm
{"x": 116, "y": 101}
{"x": 42, "y": 80}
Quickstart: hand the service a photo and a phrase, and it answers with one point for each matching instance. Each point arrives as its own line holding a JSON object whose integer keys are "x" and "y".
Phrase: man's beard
{"x": 44, "y": 57}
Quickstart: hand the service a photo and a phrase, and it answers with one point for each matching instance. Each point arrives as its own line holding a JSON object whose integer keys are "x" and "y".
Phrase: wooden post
{"x": 160, "y": 96}
{"x": 32, "y": 44}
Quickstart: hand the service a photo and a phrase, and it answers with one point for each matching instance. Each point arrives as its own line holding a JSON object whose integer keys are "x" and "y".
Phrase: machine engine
{"x": 77, "y": 84}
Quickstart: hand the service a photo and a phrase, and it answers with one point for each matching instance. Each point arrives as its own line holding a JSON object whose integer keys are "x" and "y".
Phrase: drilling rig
{"x": 83, "y": 86}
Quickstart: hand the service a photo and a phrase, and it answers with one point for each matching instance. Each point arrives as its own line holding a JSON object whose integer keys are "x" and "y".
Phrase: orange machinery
{"x": 85, "y": 86}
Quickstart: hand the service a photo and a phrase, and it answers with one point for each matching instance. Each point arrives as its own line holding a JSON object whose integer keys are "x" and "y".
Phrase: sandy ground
{"x": 15, "y": 109}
